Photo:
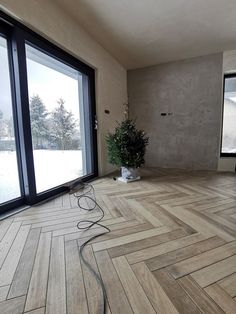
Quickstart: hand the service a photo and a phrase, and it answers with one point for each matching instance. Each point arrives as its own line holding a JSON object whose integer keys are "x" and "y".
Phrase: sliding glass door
{"x": 47, "y": 118}
{"x": 9, "y": 174}
{"x": 56, "y": 114}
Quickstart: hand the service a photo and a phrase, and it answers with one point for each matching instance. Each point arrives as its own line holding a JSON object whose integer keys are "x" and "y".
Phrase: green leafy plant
{"x": 127, "y": 145}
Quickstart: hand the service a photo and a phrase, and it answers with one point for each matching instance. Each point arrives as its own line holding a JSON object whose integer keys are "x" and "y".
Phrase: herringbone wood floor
{"x": 172, "y": 249}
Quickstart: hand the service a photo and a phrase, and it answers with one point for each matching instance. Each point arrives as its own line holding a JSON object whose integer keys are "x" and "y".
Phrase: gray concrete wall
{"x": 191, "y": 91}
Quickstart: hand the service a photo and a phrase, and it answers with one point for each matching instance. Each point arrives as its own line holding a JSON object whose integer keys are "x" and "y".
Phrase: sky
{"x": 44, "y": 81}
{"x": 51, "y": 85}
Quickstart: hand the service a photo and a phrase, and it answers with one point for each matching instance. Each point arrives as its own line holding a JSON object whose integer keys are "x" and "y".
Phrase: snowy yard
{"x": 52, "y": 168}
{"x": 9, "y": 183}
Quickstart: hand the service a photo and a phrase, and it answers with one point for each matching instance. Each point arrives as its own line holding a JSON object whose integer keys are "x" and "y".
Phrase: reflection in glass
{"x": 9, "y": 178}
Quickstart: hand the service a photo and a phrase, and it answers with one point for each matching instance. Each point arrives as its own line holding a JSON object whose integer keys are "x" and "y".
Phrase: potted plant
{"x": 126, "y": 149}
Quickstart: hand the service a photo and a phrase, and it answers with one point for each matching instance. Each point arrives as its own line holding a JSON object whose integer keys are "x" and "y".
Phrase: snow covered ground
{"x": 55, "y": 167}
{"x": 9, "y": 182}
{"x": 52, "y": 168}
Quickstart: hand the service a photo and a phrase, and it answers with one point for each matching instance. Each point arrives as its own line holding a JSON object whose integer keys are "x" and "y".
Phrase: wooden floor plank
{"x": 56, "y": 294}
{"x": 208, "y": 205}
{"x": 93, "y": 289}
{"x": 228, "y": 224}
{"x": 32, "y": 217}
{"x": 153, "y": 290}
{"x": 182, "y": 200}
{"x": 64, "y": 218}
{"x": 115, "y": 293}
{"x": 177, "y": 295}
{"x": 223, "y": 299}
{"x": 229, "y": 284}
{"x": 160, "y": 249}
{"x": 10, "y": 264}
{"x": 145, "y": 243}
{"x": 199, "y": 296}
{"x": 3, "y": 292}
{"x": 215, "y": 272}
{"x": 157, "y": 211}
{"x": 120, "y": 230}
{"x": 198, "y": 223}
{"x": 129, "y": 238}
{"x": 173, "y": 257}
{"x": 116, "y": 226}
{"x": 219, "y": 208}
{"x": 139, "y": 208}
{"x": 7, "y": 240}
{"x": 13, "y": 306}
{"x": 36, "y": 296}
{"x": 177, "y": 222}
{"x": 112, "y": 208}
{"x": 202, "y": 260}
{"x": 5, "y": 224}
{"x": 122, "y": 209}
{"x": 136, "y": 295}
{"x": 76, "y": 297}
{"x": 20, "y": 283}
{"x": 74, "y": 229}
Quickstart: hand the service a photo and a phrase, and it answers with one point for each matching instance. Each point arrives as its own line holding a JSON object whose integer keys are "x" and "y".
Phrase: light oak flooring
{"x": 172, "y": 249}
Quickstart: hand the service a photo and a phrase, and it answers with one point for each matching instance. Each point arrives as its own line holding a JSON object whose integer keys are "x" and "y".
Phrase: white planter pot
{"x": 129, "y": 174}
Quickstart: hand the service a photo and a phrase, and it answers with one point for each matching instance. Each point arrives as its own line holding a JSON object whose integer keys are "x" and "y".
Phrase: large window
{"x": 9, "y": 176}
{"x": 229, "y": 117}
{"x": 56, "y": 128}
{"x": 47, "y": 117}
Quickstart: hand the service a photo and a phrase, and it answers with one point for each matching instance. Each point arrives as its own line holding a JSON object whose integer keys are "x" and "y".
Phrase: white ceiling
{"x": 140, "y": 33}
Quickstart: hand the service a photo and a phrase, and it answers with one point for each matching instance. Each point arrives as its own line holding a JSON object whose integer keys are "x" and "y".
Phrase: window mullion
{"x": 22, "y": 105}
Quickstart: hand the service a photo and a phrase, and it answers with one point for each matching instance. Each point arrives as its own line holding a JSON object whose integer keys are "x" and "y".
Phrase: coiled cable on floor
{"x": 86, "y": 195}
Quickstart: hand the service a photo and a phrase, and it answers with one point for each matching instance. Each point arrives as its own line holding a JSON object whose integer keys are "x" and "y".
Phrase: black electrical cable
{"x": 88, "y": 195}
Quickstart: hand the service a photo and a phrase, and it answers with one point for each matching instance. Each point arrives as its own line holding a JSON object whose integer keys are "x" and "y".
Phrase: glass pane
{"x": 229, "y": 120}
{"x": 9, "y": 178}
{"x": 56, "y": 112}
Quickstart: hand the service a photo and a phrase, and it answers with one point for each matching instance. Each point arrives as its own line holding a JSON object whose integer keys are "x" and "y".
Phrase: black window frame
{"x": 223, "y": 154}
{"x": 18, "y": 35}
{"x": 6, "y": 32}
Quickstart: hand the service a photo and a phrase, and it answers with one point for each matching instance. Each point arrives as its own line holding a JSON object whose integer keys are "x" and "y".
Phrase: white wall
{"x": 229, "y": 66}
{"x": 111, "y": 87}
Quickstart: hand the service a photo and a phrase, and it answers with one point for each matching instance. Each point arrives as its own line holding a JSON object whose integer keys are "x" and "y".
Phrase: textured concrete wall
{"x": 46, "y": 18}
{"x": 191, "y": 91}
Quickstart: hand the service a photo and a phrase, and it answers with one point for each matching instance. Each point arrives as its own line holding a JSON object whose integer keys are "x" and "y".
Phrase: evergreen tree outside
{"x": 63, "y": 126}
{"x": 38, "y": 117}
{"x": 3, "y": 125}
{"x": 10, "y": 128}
